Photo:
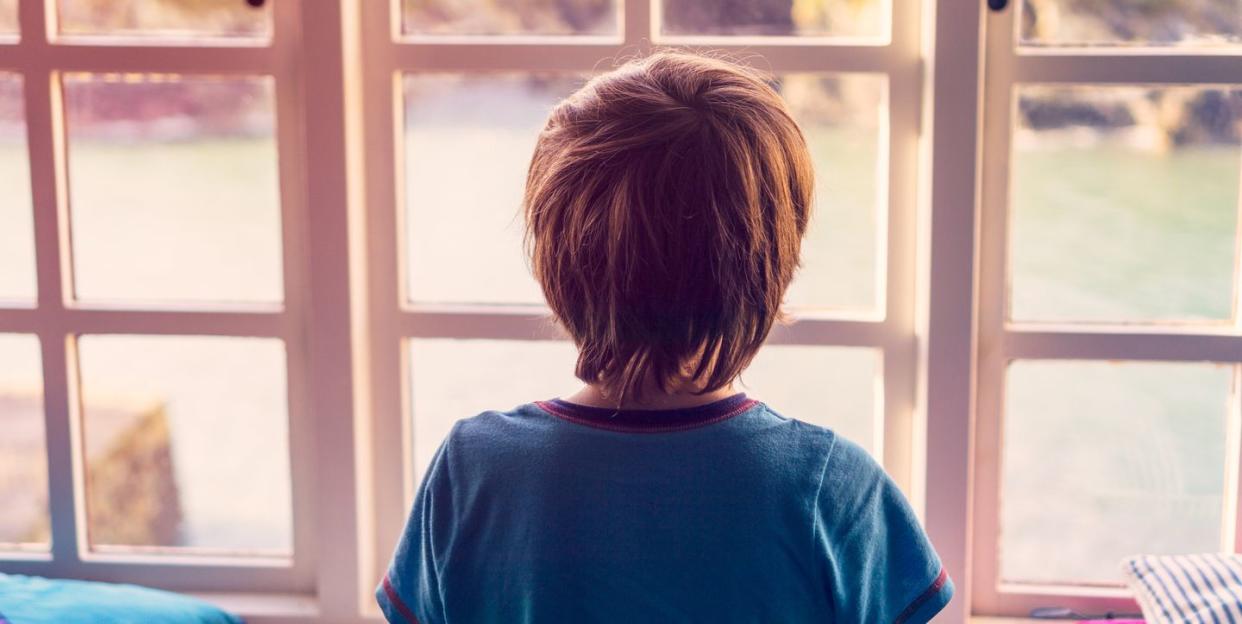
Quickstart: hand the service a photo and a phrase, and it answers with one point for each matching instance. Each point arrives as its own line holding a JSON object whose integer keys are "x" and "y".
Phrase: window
{"x": 150, "y": 273}
{"x": 1108, "y": 373}
{"x": 257, "y": 257}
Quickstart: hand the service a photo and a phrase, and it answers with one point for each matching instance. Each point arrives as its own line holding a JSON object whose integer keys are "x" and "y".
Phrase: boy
{"x": 665, "y": 205}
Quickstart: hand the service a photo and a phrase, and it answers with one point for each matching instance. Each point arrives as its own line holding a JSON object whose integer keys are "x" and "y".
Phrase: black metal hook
{"x": 998, "y": 5}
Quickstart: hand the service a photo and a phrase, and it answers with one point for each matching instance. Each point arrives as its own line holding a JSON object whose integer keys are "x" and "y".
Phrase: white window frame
{"x": 1002, "y": 341}
{"x": 393, "y": 321}
{"x": 303, "y": 55}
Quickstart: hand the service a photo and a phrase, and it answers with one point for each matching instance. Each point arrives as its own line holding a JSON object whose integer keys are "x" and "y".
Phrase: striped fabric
{"x": 1204, "y": 589}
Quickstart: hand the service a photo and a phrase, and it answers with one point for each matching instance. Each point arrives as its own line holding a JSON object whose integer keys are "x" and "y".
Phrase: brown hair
{"x": 665, "y": 207}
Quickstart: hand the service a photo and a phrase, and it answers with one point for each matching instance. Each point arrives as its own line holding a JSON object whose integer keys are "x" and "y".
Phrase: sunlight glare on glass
{"x": 844, "y": 118}
{"x": 840, "y": 388}
{"x": 186, "y": 444}
{"x": 9, "y": 28}
{"x": 173, "y": 188}
{"x": 1104, "y": 460}
{"x": 451, "y": 379}
{"x": 17, "y": 253}
{"x": 468, "y": 144}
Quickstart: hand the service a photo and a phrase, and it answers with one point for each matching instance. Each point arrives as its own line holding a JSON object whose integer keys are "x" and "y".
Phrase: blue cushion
{"x": 35, "y": 600}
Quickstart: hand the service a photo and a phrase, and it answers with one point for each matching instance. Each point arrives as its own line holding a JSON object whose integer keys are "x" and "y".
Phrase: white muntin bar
{"x": 44, "y": 137}
{"x": 271, "y": 324}
{"x": 170, "y": 59}
{"x": 1204, "y": 346}
{"x": 1121, "y": 66}
{"x": 391, "y": 462}
{"x": 306, "y": 391}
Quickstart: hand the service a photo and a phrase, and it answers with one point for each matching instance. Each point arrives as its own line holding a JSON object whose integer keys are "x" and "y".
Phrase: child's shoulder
{"x": 490, "y": 424}
{"x": 837, "y": 451}
{"x": 825, "y": 437}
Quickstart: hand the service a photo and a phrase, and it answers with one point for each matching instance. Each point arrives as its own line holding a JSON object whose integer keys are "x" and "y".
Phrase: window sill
{"x": 981, "y": 619}
{"x": 296, "y": 608}
{"x": 266, "y": 608}
{"x": 299, "y": 609}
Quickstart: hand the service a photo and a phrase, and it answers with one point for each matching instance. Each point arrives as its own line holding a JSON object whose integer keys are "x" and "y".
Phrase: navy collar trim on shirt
{"x": 648, "y": 421}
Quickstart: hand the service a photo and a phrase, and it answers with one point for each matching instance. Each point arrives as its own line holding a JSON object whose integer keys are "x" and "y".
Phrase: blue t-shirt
{"x": 727, "y": 512}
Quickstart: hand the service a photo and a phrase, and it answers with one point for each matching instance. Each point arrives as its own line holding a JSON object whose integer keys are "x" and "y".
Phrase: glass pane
{"x": 1131, "y": 22}
{"x": 1125, "y": 203}
{"x": 509, "y": 17}
{"x": 187, "y": 443}
{"x": 8, "y": 19}
{"x": 173, "y": 188}
{"x": 1105, "y": 460}
{"x": 460, "y": 130}
{"x": 844, "y": 118}
{"x": 17, "y": 257}
{"x": 817, "y": 18}
{"x": 451, "y": 379}
{"x": 176, "y": 19}
{"x": 835, "y": 387}
{"x": 463, "y": 129}
{"x": 24, "y": 525}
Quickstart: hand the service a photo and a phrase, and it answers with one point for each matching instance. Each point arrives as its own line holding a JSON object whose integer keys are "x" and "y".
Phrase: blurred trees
{"x": 1131, "y": 21}
{"x": 510, "y": 17}
{"x": 773, "y": 18}
{"x": 163, "y": 108}
{"x": 217, "y": 17}
{"x": 752, "y": 17}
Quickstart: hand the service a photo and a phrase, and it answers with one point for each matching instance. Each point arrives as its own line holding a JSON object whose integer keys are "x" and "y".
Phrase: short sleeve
{"x": 881, "y": 565}
{"x": 410, "y": 592}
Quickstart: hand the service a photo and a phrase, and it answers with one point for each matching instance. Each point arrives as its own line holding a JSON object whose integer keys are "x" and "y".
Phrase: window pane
{"x": 509, "y": 17}
{"x": 1125, "y": 203}
{"x": 164, "y": 18}
{"x": 17, "y": 264}
{"x": 451, "y": 379}
{"x": 8, "y": 19}
{"x": 187, "y": 443}
{"x": 173, "y": 188}
{"x": 24, "y": 525}
{"x": 819, "y": 18}
{"x": 1131, "y": 22}
{"x": 835, "y": 387}
{"x": 1105, "y": 460}
{"x": 468, "y": 142}
{"x": 843, "y": 117}
{"x": 461, "y": 130}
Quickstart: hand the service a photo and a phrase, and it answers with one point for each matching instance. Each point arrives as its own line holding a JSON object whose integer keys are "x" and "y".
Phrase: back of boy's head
{"x": 665, "y": 207}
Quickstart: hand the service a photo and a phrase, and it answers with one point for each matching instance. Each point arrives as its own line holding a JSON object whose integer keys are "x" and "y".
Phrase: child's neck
{"x": 652, "y": 399}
